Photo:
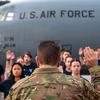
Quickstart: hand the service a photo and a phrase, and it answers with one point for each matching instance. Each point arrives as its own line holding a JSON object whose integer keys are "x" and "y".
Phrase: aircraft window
{"x": 10, "y": 16}
{"x": 7, "y": 13}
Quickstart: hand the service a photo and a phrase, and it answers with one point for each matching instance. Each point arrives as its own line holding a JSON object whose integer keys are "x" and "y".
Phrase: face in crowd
{"x": 68, "y": 61}
{"x": 64, "y": 54}
{"x": 27, "y": 58}
{"x": 75, "y": 67}
{"x": 17, "y": 70}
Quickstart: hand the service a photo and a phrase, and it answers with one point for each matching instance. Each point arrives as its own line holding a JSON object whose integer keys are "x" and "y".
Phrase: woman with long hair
{"x": 16, "y": 74}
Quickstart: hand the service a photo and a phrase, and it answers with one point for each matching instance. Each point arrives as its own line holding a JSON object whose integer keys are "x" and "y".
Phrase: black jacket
{"x": 6, "y": 85}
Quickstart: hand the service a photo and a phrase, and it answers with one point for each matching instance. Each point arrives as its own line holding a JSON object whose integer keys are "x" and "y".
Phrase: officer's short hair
{"x": 49, "y": 52}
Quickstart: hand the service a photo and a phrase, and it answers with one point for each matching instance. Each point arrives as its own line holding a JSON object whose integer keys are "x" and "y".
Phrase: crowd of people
{"x": 15, "y": 70}
{"x": 51, "y": 65}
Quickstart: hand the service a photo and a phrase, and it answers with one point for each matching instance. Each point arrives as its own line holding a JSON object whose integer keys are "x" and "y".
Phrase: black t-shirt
{"x": 28, "y": 69}
{"x": 64, "y": 68}
{"x": 1, "y": 71}
{"x": 84, "y": 70}
{"x": 99, "y": 62}
{"x": 67, "y": 73}
{"x": 6, "y": 85}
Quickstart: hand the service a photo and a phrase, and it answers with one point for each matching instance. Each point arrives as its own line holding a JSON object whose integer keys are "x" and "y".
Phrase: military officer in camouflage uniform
{"x": 47, "y": 83}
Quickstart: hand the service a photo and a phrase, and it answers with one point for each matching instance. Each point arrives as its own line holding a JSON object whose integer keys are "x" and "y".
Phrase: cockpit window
{"x": 10, "y": 16}
{"x": 7, "y": 13}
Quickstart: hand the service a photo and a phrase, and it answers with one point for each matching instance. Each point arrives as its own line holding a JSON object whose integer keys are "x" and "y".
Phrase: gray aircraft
{"x": 72, "y": 23}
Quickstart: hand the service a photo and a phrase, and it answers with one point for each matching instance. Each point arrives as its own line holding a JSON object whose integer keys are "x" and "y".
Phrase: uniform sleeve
{"x": 92, "y": 91}
{"x": 9, "y": 97}
{"x": 15, "y": 89}
{"x": 1, "y": 70}
{"x": 95, "y": 74}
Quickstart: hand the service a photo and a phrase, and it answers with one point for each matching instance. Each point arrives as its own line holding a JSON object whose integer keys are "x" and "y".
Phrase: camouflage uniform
{"x": 49, "y": 84}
